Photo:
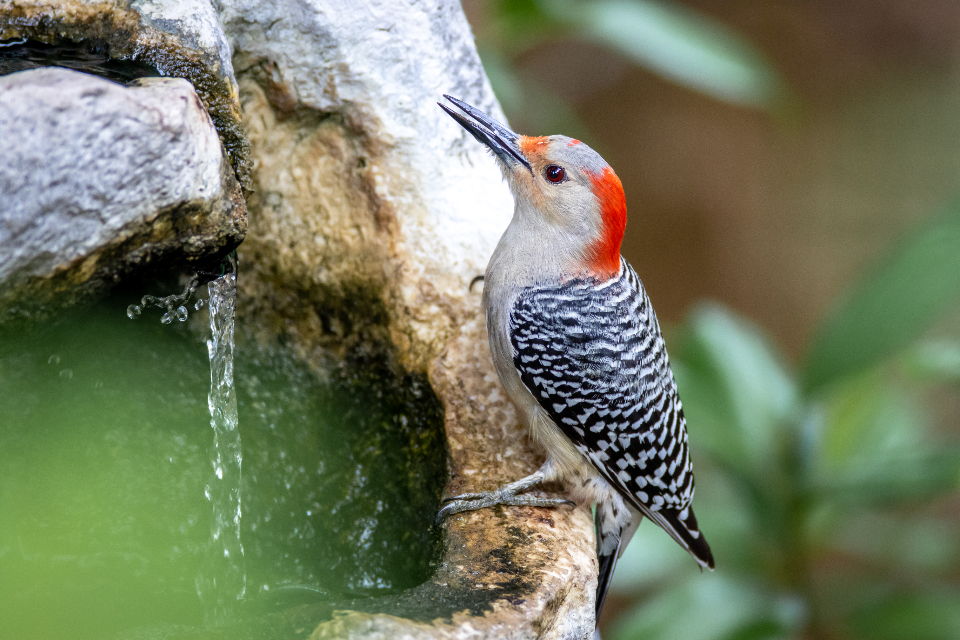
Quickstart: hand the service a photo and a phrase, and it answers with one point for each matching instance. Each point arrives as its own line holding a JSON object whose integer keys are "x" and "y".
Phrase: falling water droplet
{"x": 199, "y": 304}
{"x": 133, "y": 311}
{"x": 181, "y": 313}
{"x": 66, "y": 374}
{"x": 54, "y": 359}
{"x": 167, "y": 318}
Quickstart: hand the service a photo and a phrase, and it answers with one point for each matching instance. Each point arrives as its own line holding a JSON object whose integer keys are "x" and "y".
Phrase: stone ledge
{"x": 177, "y": 38}
{"x": 99, "y": 180}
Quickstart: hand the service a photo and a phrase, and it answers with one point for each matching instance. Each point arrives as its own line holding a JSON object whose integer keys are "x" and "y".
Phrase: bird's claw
{"x": 465, "y": 496}
{"x": 475, "y": 281}
{"x": 474, "y": 501}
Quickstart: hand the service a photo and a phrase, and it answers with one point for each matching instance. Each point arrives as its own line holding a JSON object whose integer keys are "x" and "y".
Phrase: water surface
{"x": 105, "y": 451}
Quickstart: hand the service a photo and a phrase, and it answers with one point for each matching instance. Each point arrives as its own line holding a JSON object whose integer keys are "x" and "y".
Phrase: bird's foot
{"x": 506, "y": 495}
{"x": 493, "y": 498}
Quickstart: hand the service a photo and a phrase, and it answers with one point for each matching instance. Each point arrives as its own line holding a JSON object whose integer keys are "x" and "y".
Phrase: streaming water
{"x": 222, "y": 580}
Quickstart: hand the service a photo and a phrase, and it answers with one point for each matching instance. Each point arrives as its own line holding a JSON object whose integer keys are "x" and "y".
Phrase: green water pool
{"x": 105, "y": 451}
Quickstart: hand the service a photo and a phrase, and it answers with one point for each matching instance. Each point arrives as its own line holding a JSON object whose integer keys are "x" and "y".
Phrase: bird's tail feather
{"x": 682, "y": 527}
{"x": 611, "y": 543}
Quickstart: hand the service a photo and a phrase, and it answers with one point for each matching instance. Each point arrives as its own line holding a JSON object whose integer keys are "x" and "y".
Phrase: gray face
{"x": 563, "y": 185}
{"x": 576, "y": 153}
{"x": 563, "y": 189}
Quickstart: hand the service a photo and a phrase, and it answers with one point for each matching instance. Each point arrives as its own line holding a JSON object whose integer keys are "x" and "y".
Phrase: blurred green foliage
{"x": 668, "y": 39}
{"x": 825, "y": 492}
{"x": 828, "y": 492}
{"x": 911, "y": 287}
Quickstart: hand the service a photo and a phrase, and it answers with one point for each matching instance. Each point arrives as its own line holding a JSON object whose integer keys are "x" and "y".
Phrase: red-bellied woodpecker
{"x": 578, "y": 349}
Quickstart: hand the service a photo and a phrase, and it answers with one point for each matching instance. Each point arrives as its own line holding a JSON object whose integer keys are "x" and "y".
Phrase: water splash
{"x": 174, "y": 304}
{"x": 222, "y": 581}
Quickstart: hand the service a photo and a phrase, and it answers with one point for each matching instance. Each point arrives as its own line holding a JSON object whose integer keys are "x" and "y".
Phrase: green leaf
{"x": 867, "y": 418}
{"x": 936, "y": 360}
{"x": 685, "y": 47}
{"x": 875, "y": 448}
{"x": 891, "y": 307}
{"x": 741, "y": 520}
{"x": 741, "y": 406}
{"x": 736, "y": 391}
{"x": 708, "y": 607}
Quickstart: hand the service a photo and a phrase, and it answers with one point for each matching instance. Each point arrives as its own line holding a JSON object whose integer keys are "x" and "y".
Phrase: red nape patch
{"x": 573, "y": 142}
{"x": 605, "y": 251}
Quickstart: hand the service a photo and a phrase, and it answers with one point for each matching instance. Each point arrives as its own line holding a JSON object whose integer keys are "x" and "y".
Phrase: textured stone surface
{"x": 372, "y": 211}
{"x": 99, "y": 179}
{"x": 177, "y": 38}
{"x": 369, "y": 74}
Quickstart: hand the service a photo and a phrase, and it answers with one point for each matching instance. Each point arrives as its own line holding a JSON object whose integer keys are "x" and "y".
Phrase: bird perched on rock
{"x": 578, "y": 349}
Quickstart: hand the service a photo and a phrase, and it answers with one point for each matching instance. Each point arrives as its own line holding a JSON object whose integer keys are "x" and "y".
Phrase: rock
{"x": 357, "y": 167}
{"x": 99, "y": 179}
{"x": 371, "y": 214}
{"x": 175, "y": 38}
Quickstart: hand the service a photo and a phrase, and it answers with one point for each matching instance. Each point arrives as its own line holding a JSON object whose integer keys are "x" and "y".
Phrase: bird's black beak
{"x": 502, "y": 141}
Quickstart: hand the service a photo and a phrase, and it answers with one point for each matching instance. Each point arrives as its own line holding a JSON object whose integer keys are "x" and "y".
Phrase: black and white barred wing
{"x": 592, "y": 355}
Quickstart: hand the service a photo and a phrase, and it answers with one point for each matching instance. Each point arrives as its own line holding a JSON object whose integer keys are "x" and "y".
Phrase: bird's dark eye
{"x": 555, "y": 173}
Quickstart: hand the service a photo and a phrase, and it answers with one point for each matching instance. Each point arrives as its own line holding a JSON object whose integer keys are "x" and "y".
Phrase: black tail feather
{"x": 682, "y": 527}
{"x": 612, "y": 540}
{"x": 613, "y": 536}
{"x": 607, "y": 561}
